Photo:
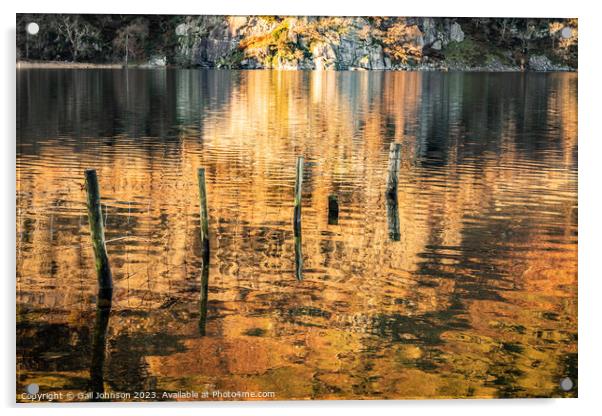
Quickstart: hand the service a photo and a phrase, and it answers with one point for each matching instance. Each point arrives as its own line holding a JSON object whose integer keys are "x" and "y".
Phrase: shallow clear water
{"x": 478, "y": 298}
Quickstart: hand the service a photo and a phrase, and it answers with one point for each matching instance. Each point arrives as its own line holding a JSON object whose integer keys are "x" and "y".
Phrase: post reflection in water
{"x": 298, "y": 256}
{"x": 204, "y": 295}
{"x": 99, "y": 341}
{"x": 393, "y": 218}
{"x": 478, "y": 298}
{"x": 297, "y": 229}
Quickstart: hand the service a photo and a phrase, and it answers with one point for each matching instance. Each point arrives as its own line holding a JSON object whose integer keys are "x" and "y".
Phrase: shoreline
{"x": 64, "y": 65}
{"x": 417, "y": 68}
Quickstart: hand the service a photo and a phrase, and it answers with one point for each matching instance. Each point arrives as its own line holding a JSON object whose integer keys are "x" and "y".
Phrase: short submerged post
{"x": 297, "y": 219}
{"x": 97, "y": 232}
{"x": 394, "y": 165}
{"x": 204, "y": 214}
{"x": 333, "y": 210}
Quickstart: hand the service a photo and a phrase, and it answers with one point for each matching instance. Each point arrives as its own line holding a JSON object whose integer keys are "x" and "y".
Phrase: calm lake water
{"x": 478, "y": 298}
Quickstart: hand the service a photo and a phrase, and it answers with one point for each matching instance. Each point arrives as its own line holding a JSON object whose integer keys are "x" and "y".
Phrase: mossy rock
{"x": 467, "y": 52}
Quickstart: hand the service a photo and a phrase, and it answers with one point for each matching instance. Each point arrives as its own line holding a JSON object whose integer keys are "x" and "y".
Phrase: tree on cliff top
{"x": 130, "y": 41}
{"x": 81, "y": 36}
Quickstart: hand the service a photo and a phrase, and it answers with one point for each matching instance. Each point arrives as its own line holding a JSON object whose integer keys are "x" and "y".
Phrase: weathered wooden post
{"x": 394, "y": 165}
{"x": 97, "y": 232}
{"x": 297, "y": 219}
{"x": 204, "y": 215}
{"x": 333, "y": 210}
{"x": 392, "y": 182}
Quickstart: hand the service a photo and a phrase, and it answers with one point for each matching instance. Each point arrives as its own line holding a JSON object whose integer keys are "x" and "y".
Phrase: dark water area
{"x": 465, "y": 287}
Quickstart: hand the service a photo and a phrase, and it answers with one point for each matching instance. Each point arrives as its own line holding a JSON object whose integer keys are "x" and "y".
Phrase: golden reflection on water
{"x": 478, "y": 298}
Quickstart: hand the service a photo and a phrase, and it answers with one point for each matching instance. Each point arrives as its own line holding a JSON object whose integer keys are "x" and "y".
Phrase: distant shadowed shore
{"x": 420, "y": 68}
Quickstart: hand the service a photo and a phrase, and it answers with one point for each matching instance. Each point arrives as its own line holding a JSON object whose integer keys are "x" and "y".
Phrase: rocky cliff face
{"x": 342, "y": 43}
{"x": 309, "y": 42}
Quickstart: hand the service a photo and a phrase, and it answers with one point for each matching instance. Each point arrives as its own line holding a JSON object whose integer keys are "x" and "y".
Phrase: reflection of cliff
{"x": 466, "y": 302}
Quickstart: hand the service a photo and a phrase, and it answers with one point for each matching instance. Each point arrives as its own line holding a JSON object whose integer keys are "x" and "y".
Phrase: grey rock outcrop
{"x": 455, "y": 33}
{"x": 335, "y": 43}
{"x": 543, "y": 63}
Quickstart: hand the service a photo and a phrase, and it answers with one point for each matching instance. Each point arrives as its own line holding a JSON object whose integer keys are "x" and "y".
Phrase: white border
{"x": 590, "y": 149}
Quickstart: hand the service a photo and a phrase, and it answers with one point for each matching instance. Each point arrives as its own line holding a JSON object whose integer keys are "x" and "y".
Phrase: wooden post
{"x": 297, "y": 219}
{"x": 204, "y": 215}
{"x": 394, "y": 165}
{"x": 97, "y": 232}
{"x": 333, "y": 210}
